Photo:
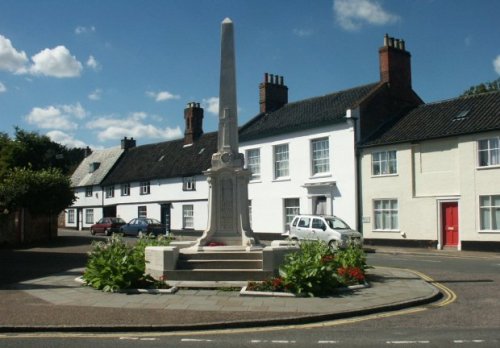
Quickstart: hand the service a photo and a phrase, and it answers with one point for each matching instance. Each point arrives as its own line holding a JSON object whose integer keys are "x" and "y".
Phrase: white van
{"x": 330, "y": 229}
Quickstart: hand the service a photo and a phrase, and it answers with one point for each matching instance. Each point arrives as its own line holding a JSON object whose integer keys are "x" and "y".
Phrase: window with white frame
{"x": 320, "y": 156}
{"x": 71, "y": 216}
{"x": 291, "y": 207}
{"x": 253, "y": 163}
{"x": 110, "y": 192}
{"x": 489, "y": 212}
{"x": 189, "y": 183}
{"x": 145, "y": 188}
{"x": 88, "y": 191}
{"x": 489, "y": 152}
{"x": 187, "y": 216}
{"x": 281, "y": 165}
{"x": 384, "y": 163}
{"x": 142, "y": 211}
{"x": 89, "y": 216}
{"x": 386, "y": 214}
{"x": 125, "y": 189}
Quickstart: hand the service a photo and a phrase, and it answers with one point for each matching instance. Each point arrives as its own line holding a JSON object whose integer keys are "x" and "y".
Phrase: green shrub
{"x": 317, "y": 270}
{"x": 311, "y": 271}
{"x": 115, "y": 265}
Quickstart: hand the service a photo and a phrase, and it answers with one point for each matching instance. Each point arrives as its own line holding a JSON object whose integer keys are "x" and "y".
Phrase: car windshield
{"x": 117, "y": 221}
{"x": 337, "y": 224}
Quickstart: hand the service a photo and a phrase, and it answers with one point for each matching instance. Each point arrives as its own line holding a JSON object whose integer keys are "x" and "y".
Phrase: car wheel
{"x": 140, "y": 234}
{"x": 92, "y": 232}
{"x": 107, "y": 232}
{"x": 333, "y": 244}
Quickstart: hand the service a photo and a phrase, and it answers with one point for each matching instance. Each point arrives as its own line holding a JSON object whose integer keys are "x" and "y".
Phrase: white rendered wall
{"x": 267, "y": 194}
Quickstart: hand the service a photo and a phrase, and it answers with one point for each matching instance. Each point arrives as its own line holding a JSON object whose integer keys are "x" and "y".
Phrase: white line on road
{"x": 328, "y": 342}
{"x": 468, "y": 341}
{"x": 408, "y": 342}
{"x": 273, "y": 341}
{"x": 194, "y": 340}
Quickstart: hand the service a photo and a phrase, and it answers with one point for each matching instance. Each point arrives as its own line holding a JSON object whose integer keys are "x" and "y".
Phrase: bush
{"x": 317, "y": 270}
{"x": 312, "y": 270}
{"x": 115, "y": 265}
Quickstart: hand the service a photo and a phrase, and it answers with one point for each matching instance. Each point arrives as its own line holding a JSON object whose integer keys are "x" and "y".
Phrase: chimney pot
{"x": 193, "y": 116}
{"x": 273, "y": 94}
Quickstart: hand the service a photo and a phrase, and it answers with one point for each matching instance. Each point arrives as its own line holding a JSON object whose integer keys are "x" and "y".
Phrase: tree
{"x": 46, "y": 191}
{"x": 35, "y": 151}
{"x": 483, "y": 88}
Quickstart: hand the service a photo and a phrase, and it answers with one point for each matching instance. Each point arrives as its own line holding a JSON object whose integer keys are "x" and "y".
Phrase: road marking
{"x": 468, "y": 341}
{"x": 194, "y": 340}
{"x": 328, "y": 342}
{"x": 450, "y": 296}
{"x": 273, "y": 341}
{"x": 408, "y": 342}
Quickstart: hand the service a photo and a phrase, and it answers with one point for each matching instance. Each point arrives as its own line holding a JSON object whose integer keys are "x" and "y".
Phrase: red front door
{"x": 449, "y": 216}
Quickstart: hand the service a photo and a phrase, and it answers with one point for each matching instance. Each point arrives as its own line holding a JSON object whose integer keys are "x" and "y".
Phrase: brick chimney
{"x": 395, "y": 65}
{"x": 273, "y": 94}
{"x": 193, "y": 114}
{"x": 128, "y": 143}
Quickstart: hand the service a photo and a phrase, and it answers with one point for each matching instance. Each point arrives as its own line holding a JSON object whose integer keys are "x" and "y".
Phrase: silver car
{"x": 329, "y": 229}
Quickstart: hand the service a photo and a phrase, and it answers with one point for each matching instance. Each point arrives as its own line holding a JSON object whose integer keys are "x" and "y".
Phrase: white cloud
{"x": 211, "y": 105}
{"x": 95, "y": 94}
{"x": 56, "y": 117}
{"x": 113, "y": 127}
{"x": 84, "y": 30}
{"x": 496, "y": 64}
{"x": 162, "y": 96}
{"x": 93, "y": 64}
{"x": 352, "y": 14}
{"x": 56, "y": 62}
{"x": 65, "y": 139}
{"x": 2, "y": 88}
{"x": 303, "y": 32}
{"x": 11, "y": 59}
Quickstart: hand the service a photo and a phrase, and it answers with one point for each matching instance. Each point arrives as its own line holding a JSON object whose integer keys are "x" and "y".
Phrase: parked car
{"x": 107, "y": 225}
{"x": 329, "y": 229}
{"x": 140, "y": 226}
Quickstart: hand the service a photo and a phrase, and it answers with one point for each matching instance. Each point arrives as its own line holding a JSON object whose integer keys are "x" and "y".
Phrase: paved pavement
{"x": 58, "y": 303}
{"x": 38, "y": 292}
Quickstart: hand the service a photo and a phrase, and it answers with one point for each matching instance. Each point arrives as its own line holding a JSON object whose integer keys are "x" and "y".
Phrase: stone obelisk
{"x": 228, "y": 215}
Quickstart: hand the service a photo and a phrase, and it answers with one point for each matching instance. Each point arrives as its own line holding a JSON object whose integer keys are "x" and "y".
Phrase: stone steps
{"x": 218, "y": 266}
{"x": 218, "y": 275}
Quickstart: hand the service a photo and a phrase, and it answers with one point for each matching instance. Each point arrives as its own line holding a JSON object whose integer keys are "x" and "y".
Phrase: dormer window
{"x": 94, "y": 166}
{"x": 189, "y": 183}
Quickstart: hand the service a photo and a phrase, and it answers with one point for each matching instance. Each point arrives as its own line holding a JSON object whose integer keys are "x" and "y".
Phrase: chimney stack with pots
{"x": 128, "y": 143}
{"x": 395, "y": 65}
{"x": 193, "y": 115}
{"x": 273, "y": 94}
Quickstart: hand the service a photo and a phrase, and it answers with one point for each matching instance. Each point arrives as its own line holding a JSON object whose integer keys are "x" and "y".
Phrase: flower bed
{"x": 315, "y": 270}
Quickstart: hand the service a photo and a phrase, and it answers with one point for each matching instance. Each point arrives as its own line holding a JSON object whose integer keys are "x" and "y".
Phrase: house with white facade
{"x": 86, "y": 183}
{"x": 165, "y": 180}
{"x": 432, "y": 177}
{"x": 303, "y": 154}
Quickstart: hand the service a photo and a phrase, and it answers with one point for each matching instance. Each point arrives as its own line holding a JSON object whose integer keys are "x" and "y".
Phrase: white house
{"x": 433, "y": 177}
{"x": 86, "y": 183}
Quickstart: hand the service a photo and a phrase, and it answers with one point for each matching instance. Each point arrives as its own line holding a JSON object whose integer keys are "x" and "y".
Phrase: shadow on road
{"x": 63, "y": 253}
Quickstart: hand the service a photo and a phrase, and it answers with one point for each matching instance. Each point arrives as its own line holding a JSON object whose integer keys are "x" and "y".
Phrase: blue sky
{"x": 90, "y": 72}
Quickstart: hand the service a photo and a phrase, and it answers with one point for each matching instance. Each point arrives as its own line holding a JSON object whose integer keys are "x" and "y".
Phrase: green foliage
{"x": 42, "y": 191}
{"x": 37, "y": 152}
{"x": 317, "y": 270}
{"x": 311, "y": 271}
{"x": 115, "y": 265}
{"x": 483, "y": 88}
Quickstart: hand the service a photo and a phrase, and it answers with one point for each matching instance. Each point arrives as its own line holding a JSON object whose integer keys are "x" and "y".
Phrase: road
{"x": 469, "y": 318}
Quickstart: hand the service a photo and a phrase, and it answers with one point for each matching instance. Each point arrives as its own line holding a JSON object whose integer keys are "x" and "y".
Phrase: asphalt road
{"x": 470, "y": 319}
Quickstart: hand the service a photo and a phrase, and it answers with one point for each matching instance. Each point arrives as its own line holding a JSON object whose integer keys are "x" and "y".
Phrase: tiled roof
{"x": 106, "y": 159}
{"x": 305, "y": 114}
{"x": 464, "y": 115}
{"x": 164, "y": 160}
